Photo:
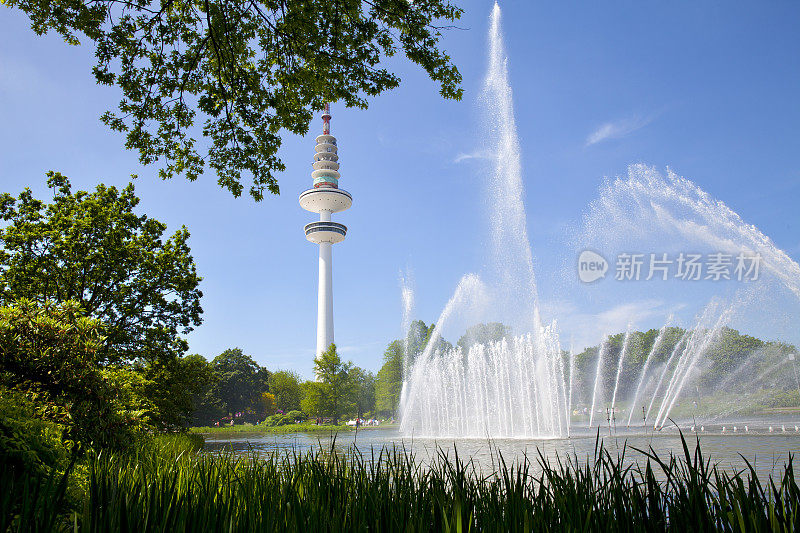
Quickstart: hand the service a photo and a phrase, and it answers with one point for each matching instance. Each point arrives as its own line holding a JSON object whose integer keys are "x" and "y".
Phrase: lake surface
{"x": 766, "y": 450}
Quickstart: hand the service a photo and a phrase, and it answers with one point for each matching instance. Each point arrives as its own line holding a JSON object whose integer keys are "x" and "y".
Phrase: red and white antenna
{"x": 326, "y": 120}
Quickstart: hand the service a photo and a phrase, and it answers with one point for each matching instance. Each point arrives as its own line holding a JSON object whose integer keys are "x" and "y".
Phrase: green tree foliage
{"x": 418, "y": 337}
{"x": 288, "y": 390}
{"x": 640, "y": 345}
{"x": 29, "y": 445}
{"x": 50, "y": 353}
{"x": 439, "y": 344}
{"x": 731, "y": 348}
{"x": 267, "y": 403}
{"x": 389, "y": 381}
{"x": 483, "y": 334}
{"x": 208, "y": 408}
{"x": 364, "y": 396}
{"x": 727, "y": 352}
{"x": 292, "y": 417}
{"x": 333, "y": 395}
{"x": 613, "y": 352}
{"x": 93, "y": 248}
{"x": 313, "y": 400}
{"x": 240, "y": 381}
{"x": 249, "y": 69}
{"x": 177, "y": 388}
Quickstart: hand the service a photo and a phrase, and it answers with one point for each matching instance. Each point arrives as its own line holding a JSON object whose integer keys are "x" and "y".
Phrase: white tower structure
{"x": 325, "y": 198}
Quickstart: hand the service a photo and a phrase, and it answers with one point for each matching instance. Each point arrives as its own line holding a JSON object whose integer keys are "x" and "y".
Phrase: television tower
{"x": 325, "y": 198}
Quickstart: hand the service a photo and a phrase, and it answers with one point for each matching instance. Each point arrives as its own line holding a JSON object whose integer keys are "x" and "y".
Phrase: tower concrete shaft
{"x": 325, "y": 298}
{"x": 325, "y": 198}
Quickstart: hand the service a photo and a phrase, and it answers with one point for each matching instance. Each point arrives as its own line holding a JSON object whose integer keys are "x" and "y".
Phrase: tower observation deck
{"x": 325, "y": 198}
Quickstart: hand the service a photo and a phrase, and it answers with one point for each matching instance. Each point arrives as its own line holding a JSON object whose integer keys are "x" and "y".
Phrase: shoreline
{"x": 281, "y": 430}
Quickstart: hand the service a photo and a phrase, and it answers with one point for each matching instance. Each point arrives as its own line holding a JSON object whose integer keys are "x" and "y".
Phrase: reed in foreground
{"x": 185, "y": 491}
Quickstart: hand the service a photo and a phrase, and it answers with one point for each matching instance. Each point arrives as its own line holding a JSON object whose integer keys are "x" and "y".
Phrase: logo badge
{"x": 591, "y": 266}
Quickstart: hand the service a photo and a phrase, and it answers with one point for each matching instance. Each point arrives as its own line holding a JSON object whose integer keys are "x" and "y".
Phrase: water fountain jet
{"x": 512, "y": 387}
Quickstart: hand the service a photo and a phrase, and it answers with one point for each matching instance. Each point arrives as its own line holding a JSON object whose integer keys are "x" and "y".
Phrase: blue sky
{"x": 708, "y": 89}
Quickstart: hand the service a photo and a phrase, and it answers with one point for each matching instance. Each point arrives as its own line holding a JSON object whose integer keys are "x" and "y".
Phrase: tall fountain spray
{"x": 325, "y": 198}
{"x": 597, "y": 376}
{"x": 621, "y": 362}
{"x": 646, "y": 209}
{"x": 714, "y": 318}
{"x": 675, "y": 351}
{"x": 644, "y": 203}
{"x": 526, "y": 386}
{"x": 654, "y": 349}
{"x": 511, "y": 256}
{"x": 514, "y": 387}
{"x": 407, "y": 302}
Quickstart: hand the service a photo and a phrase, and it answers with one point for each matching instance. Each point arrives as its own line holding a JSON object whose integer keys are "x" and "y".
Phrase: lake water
{"x": 766, "y": 451}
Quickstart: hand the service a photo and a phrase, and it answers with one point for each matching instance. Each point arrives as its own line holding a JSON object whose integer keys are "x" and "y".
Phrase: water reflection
{"x": 766, "y": 450}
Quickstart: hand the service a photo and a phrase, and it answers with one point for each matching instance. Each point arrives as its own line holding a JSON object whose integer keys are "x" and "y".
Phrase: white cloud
{"x": 581, "y": 329}
{"x": 617, "y": 129}
{"x": 617, "y": 318}
{"x": 358, "y": 348}
{"x": 478, "y": 154}
{"x": 555, "y": 309}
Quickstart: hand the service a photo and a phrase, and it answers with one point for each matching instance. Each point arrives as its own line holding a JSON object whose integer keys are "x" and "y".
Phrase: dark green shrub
{"x": 37, "y": 482}
{"x": 51, "y": 353}
{"x": 29, "y": 446}
{"x": 295, "y": 415}
{"x": 285, "y": 419}
{"x": 273, "y": 420}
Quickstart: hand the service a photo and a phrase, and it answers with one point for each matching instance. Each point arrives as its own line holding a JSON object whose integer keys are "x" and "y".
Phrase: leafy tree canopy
{"x": 49, "y": 353}
{"x": 29, "y": 445}
{"x": 208, "y": 407}
{"x": 364, "y": 385}
{"x": 177, "y": 388}
{"x": 333, "y": 395}
{"x": 287, "y": 388}
{"x": 93, "y": 248}
{"x": 389, "y": 382}
{"x": 240, "y": 72}
{"x": 483, "y": 334}
{"x": 731, "y": 359}
{"x": 418, "y": 337}
{"x": 240, "y": 380}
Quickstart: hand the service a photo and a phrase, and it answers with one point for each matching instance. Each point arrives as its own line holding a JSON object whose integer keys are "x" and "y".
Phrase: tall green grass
{"x": 183, "y": 491}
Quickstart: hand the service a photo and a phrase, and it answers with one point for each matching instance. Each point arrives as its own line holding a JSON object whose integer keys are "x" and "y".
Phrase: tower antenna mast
{"x": 325, "y": 198}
